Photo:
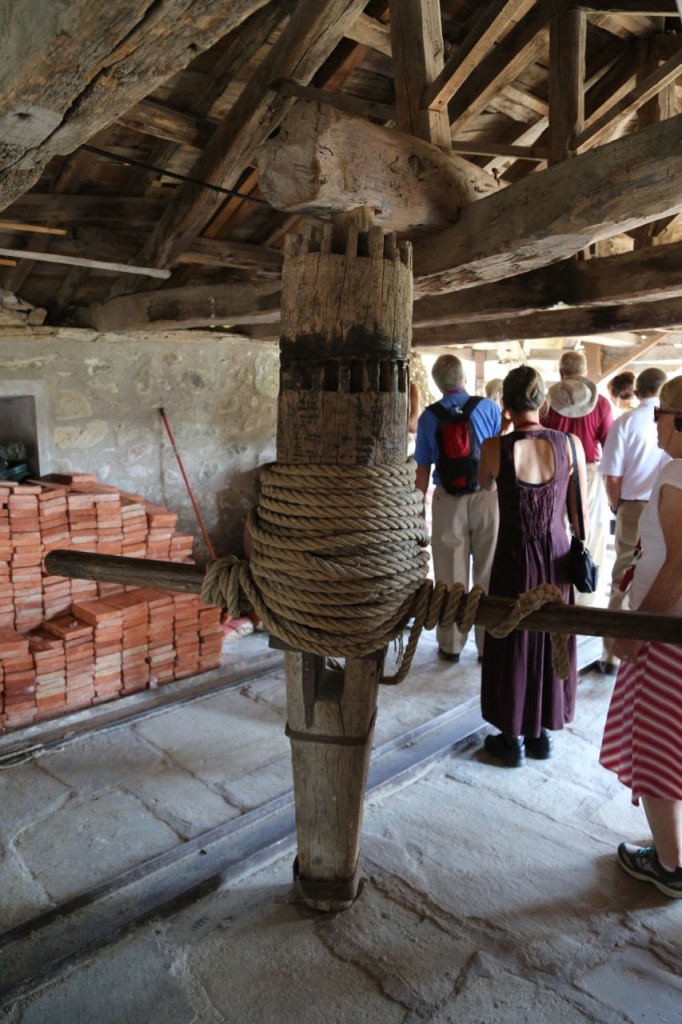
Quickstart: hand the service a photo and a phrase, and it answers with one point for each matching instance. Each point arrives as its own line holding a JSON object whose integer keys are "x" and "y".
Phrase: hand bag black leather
{"x": 584, "y": 571}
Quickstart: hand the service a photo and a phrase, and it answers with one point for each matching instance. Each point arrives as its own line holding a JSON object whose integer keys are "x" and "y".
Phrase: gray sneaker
{"x": 642, "y": 862}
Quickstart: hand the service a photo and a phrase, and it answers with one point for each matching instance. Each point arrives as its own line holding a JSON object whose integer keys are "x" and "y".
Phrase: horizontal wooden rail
{"x": 553, "y": 618}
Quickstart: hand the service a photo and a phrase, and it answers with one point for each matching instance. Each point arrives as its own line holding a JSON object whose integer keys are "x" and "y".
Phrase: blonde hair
{"x": 493, "y": 389}
{"x": 670, "y": 394}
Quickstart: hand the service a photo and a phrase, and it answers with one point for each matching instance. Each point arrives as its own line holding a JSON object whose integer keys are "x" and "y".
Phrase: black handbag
{"x": 583, "y": 570}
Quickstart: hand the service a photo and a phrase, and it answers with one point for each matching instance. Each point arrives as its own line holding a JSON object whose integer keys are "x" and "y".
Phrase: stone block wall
{"x": 100, "y": 396}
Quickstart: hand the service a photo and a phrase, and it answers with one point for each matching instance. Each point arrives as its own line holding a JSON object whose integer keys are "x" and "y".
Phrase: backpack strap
{"x": 445, "y": 415}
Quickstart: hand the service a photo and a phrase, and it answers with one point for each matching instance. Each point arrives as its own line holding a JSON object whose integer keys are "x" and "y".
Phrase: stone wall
{"x": 101, "y": 396}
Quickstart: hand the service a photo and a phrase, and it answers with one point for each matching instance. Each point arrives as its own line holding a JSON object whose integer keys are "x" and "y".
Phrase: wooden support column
{"x": 566, "y": 83}
{"x": 344, "y": 395}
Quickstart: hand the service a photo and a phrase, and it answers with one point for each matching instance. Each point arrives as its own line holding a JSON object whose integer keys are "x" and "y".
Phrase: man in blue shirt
{"x": 464, "y": 529}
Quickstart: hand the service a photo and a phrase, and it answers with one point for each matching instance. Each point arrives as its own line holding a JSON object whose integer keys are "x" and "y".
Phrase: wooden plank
{"x": 58, "y": 209}
{"x": 169, "y": 309}
{"x": 560, "y": 323}
{"x": 417, "y": 44}
{"x": 646, "y": 8}
{"x": 643, "y": 275}
{"x": 567, "y": 35}
{"x": 68, "y": 69}
{"x": 554, "y": 213}
{"x": 79, "y": 261}
{"x": 36, "y": 229}
{"x": 625, "y": 107}
{"x": 552, "y": 618}
{"x": 210, "y": 252}
{"x": 494, "y": 21}
{"x": 341, "y": 101}
{"x": 162, "y": 122}
{"x": 537, "y": 154}
{"x": 525, "y": 43}
{"x": 311, "y": 34}
{"x": 372, "y": 33}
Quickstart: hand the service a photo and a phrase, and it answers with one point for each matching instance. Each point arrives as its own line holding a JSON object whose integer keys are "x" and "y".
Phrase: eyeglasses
{"x": 658, "y": 412}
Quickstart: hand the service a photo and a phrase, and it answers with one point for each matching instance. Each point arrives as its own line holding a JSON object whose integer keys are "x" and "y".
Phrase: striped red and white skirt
{"x": 642, "y": 740}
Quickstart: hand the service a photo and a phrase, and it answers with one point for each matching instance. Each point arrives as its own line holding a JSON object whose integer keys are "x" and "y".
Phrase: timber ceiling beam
{"x": 525, "y": 43}
{"x": 567, "y": 36}
{"x": 372, "y": 33}
{"x": 646, "y": 8}
{"x": 644, "y": 275}
{"x": 495, "y": 20}
{"x": 560, "y": 323}
{"x": 67, "y": 69}
{"x": 171, "y": 309}
{"x": 417, "y": 45}
{"x": 313, "y": 31}
{"x": 554, "y": 213}
{"x": 631, "y": 102}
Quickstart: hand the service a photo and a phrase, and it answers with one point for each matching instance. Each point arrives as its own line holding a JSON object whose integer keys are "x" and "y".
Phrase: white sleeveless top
{"x": 653, "y": 543}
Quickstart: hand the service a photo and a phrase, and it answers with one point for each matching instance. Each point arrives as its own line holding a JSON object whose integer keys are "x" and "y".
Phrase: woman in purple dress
{"x": 531, "y": 468}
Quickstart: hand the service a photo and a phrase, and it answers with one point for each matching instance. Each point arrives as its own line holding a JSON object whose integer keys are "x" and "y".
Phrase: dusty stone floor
{"x": 490, "y": 896}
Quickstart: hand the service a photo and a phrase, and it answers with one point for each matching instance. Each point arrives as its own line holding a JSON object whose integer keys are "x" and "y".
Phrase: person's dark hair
{"x": 622, "y": 385}
{"x": 650, "y": 381}
{"x": 523, "y": 390}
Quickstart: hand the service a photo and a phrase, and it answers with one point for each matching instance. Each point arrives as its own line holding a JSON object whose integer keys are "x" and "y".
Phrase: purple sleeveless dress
{"x": 520, "y": 693}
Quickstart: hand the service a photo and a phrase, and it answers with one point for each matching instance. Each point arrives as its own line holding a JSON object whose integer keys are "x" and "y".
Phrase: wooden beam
{"x": 79, "y": 261}
{"x": 163, "y": 122}
{"x": 567, "y": 35}
{"x": 343, "y": 162}
{"x": 551, "y": 618}
{"x": 524, "y": 44}
{"x": 372, "y": 33}
{"x": 644, "y": 275}
{"x": 69, "y": 69}
{"x": 340, "y": 100}
{"x": 625, "y": 107}
{"x": 495, "y": 20}
{"x": 537, "y": 154}
{"x": 554, "y": 213}
{"x": 213, "y": 252}
{"x": 58, "y": 209}
{"x": 219, "y": 305}
{"x": 560, "y": 323}
{"x": 646, "y": 8}
{"x": 36, "y": 229}
{"x": 313, "y": 31}
{"x": 417, "y": 45}
{"x": 614, "y": 364}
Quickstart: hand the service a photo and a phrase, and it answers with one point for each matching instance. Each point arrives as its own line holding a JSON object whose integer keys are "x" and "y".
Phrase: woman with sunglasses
{"x": 643, "y": 733}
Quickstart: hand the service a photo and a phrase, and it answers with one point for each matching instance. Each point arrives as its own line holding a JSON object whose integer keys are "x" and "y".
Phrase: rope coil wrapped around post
{"x": 339, "y": 566}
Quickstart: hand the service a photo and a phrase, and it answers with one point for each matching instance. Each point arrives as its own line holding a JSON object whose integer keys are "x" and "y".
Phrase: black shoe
{"x": 642, "y": 862}
{"x": 607, "y": 668}
{"x": 447, "y": 655}
{"x": 539, "y": 747}
{"x": 507, "y": 748}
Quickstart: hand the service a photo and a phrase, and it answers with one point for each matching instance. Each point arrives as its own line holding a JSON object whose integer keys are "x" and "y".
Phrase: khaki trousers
{"x": 627, "y": 535}
{"x": 463, "y": 538}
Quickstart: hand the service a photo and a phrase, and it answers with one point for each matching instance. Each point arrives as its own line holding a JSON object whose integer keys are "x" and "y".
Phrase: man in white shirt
{"x": 630, "y": 463}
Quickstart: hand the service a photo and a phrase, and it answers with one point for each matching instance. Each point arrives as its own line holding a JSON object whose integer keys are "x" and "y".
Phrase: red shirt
{"x": 591, "y": 429}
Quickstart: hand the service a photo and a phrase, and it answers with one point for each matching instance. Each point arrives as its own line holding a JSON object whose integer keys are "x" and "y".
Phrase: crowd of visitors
{"x": 511, "y": 534}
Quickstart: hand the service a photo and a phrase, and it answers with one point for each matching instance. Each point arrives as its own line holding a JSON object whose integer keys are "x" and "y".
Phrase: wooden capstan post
{"x": 344, "y": 395}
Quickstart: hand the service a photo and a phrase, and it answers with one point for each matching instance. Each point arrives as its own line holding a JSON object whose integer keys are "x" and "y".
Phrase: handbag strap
{"x": 576, "y": 484}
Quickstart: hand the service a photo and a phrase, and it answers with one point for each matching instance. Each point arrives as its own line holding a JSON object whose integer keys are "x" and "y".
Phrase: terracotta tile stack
{"x": 50, "y": 663}
{"x": 79, "y": 657}
{"x": 19, "y": 679}
{"x": 66, "y": 644}
{"x": 210, "y": 637}
{"x": 161, "y": 636}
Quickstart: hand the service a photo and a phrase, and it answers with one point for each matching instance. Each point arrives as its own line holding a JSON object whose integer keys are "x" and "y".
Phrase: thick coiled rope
{"x": 339, "y": 564}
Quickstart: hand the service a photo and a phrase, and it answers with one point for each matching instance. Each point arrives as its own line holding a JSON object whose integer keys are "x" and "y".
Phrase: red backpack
{"x": 459, "y": 453}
